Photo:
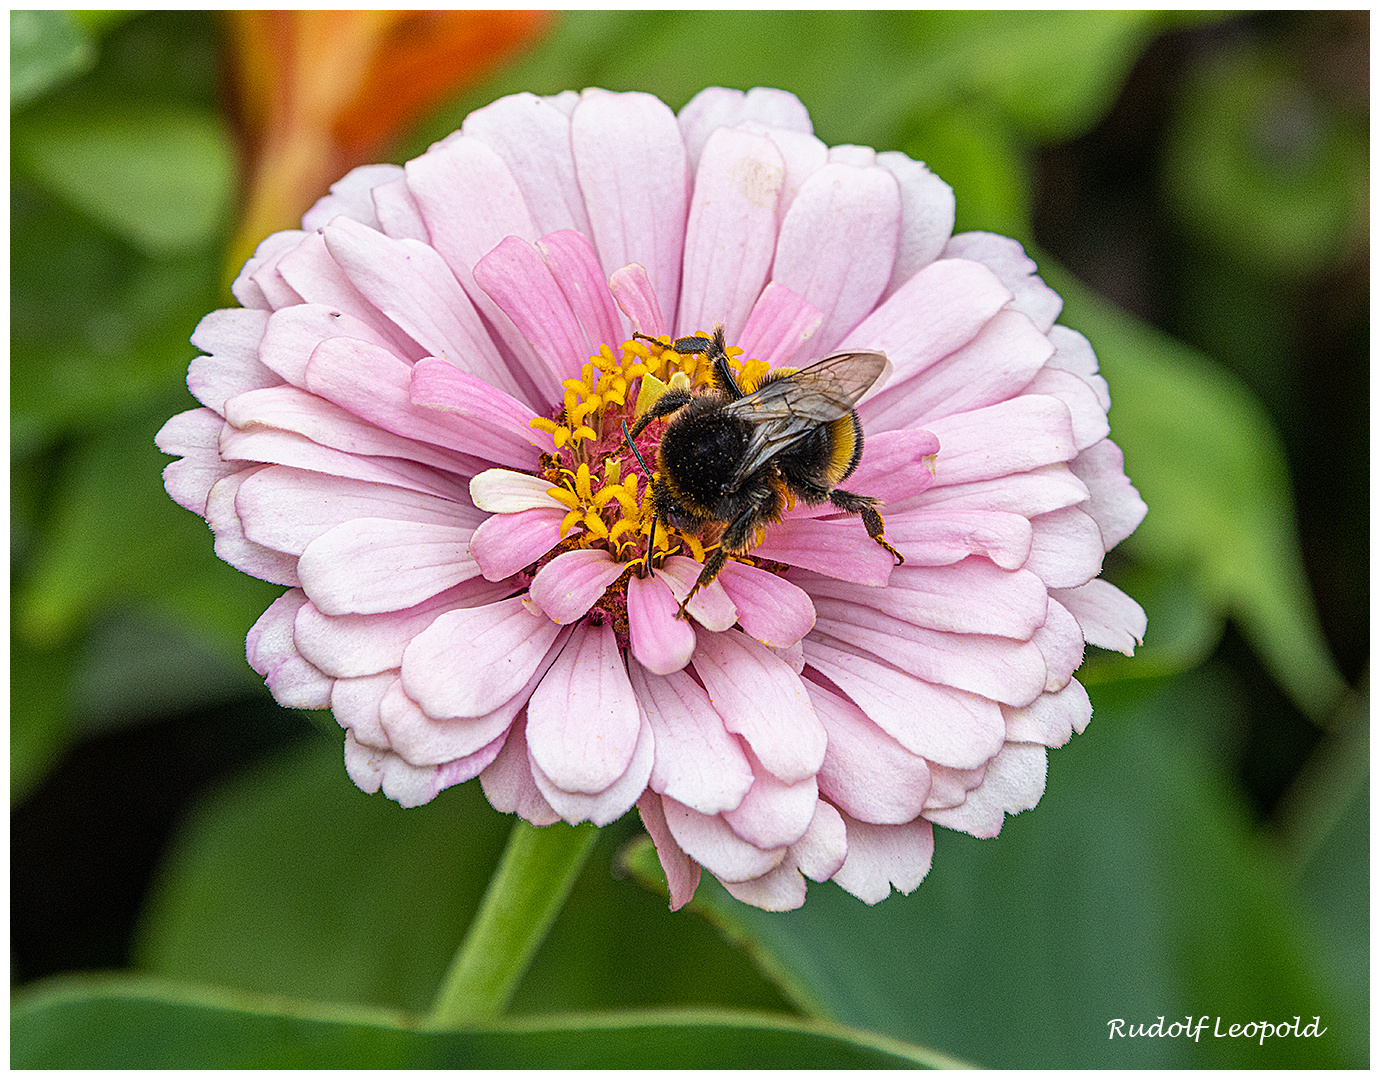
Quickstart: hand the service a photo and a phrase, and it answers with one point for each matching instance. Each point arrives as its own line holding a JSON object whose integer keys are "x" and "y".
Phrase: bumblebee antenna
{"x": 651, "y": 540}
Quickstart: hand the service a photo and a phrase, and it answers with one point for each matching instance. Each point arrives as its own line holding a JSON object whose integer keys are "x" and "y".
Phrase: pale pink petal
{"x": 792, "y": 656}
{"x": 938, "y": 310}
{"x": 532, "y": 136}
{"x": 779, "y": 325}
{"x": 632, "y": 291}
{"x": 949, "y": 787}
{"x": 287, "y": 408}
{"x": 682, "y": 872}
{"x": 1088, "y": 416}
{"x": 853, "y": 154}
{"x": 1011, "y": 437}
{"x": 315, "y": 275}
{"x": 895, "y": 465}
{"x": 1014, "y": 782}
{"x": 1051, "y": 719}
{"x": 661, "y": 642}
{"x": 470, "y": 203}
{"x": 731, "y": 235}
{"x": 880, "y": 856}
{"x": 997, "y": 364}
{"x": 718, "y": 107}
{"x": 803, "y": 154}
{"x": 763, "y": 700}
{"x": 398, "y": 213}
{"x": 575, "y": 265}
{"x": 508, "y": 783}
{"x": 607, "y": 806}
{"x": 233, "y": 547}
{"x": 274, "y": 447}
{"x": 349, "y": 646}
{"x": 231, "y": 338}
{"x": 769, "y": 607}
{"x": 1065, "y": 548}
{"x": 1115, "y": 505}
{"x": 425, "y": 740}
{"x": 370, "y": 565}
{"x": 1015, "y": 268}
{"x": 1110, "y": 619}
{"x": 779, "y": 889}
{"x": 571, "y": 583}
{"x": 293, "y": 334}
{"x": 506, "y": 543}
{"x": 969, "y": 597}
{"x": 1075, "y": 354}
{"x": 866, "y": 772}
{"x": 465, "y": 768}
{"x": 479, "y": 417}
{"x": 269, "y": 648}
{"x": 356, "y": 702}
{"x": 708, "y": 840}
{"x": 502, "y": 491}
{"x": 196, "y": 436}
{"x": 773, "y": 813}
{"x": 945, "y": 725}
{"x": 246, "y": 287}
{"x": 927, "y": 216}
{"x": 410, "y": 785}
{"x": 1060, "y": 641}
{"x": 351, "y": 195}
{"x": 838, "y": 547}
{"x": 582, "y": 720}
{"x": 1038, "y": 491}
{"x": 939, "y": 537}
{"x": 711, "y": 606}
{"x": 364, "y": 763}
{"x": 412, "y": 285}
{"x": 516, "y": 277}
{"x": 821, "y": 852}
{"x": 838, "y": 244}
{"x": 470, "y": 661}
{"x": 637, "y": 214}
{"x": 698, "y": 762}
{"x": 287, "y": 509}
{"x": 1012, "y": 672}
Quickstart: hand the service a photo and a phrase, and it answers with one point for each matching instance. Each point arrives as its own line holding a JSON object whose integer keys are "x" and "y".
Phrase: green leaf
{"x": 135, "y": 1023}
{"x": 293, "y": 881}
{"x": 977, "y": 155}
{"x": 40, "y": 724}
{"x": 159, "y": 176}
{"x": 96, "y": 328}
{"x": 1266, "y": 169}
{"x": 1046, "y": 74}
{"x": 46, "y": 48}
{"x": 113, "y": 535}
{"x": 1209, "y": 464}
{"x": 1136, "y": 889}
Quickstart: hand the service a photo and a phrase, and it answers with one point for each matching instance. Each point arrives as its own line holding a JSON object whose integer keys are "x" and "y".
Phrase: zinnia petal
{"x": 441, "y": 420}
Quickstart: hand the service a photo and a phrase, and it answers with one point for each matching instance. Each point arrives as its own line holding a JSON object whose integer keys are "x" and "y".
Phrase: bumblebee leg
{"x": 668, "y": 403}
{"x": 865, "y": 507}
{"x": 737, "y": 539}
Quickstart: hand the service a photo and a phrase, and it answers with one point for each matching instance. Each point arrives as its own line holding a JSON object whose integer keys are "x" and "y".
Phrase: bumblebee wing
{"x": 786, "y": 409}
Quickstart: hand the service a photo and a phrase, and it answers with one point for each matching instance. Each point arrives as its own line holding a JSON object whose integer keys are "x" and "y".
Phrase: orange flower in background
{"x": 319, "y": 92}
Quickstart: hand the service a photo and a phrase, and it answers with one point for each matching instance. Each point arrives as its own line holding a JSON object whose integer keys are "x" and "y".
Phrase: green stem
{"x": 533, "y": 878}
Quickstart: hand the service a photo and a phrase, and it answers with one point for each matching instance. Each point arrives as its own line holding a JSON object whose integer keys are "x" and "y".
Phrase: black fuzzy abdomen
{"x": 700, "y": 450}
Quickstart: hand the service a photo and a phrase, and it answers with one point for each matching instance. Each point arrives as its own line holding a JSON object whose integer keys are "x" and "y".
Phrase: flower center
{"x": 594, "y": 471}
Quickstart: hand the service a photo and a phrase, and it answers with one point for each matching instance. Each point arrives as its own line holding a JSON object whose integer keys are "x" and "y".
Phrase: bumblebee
{"x": 735, "y": 461}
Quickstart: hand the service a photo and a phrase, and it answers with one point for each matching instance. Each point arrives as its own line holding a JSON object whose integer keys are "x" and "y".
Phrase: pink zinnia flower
{"x": 414, "y": 423}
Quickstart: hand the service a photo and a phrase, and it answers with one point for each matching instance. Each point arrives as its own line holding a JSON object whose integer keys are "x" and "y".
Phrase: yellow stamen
{"x": 564, "y": 495}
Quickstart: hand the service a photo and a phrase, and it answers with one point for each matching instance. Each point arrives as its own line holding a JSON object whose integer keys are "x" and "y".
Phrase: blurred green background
{"x": 1196, "y": 186}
